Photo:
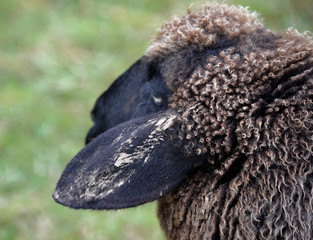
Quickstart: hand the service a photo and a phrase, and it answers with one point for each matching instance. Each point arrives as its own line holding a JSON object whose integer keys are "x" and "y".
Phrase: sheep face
{"x": 216, "y": 121}
{"x": 133, "y": 152}
{"x": 138, "y": 92}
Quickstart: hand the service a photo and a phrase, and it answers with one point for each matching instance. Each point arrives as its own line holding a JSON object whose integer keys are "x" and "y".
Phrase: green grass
{"x": 56, "y": 57}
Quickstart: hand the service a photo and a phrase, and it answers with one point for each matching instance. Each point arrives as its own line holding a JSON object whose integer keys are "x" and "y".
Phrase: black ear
{"x": 130, "y": 164}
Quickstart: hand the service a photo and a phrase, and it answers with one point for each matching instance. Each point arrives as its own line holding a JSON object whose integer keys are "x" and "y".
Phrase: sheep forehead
{"x": 204, "y": 27}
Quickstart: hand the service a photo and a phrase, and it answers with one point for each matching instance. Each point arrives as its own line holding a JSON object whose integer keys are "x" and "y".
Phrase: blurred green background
{"x": 56, "y": 58}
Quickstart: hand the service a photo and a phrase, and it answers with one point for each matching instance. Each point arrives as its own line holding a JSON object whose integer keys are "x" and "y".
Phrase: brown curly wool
{"x": 244, "y": 97}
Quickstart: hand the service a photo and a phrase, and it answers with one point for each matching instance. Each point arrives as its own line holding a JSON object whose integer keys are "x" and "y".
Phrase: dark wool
{"x": 248, "y": 107}
{"x": 216, "y": 122}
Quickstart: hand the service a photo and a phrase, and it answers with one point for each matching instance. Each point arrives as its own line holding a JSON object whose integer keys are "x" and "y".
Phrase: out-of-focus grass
{"x": 56, "y": 57}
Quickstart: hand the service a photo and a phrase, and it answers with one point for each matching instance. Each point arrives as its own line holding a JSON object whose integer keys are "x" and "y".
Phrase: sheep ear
{"x": 130, "y": 164}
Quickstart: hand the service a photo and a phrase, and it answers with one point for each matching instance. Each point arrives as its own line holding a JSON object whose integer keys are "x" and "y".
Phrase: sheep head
{"x": 212, "y": 103}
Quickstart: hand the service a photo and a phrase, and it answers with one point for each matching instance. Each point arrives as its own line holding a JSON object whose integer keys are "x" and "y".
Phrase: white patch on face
{"x": 125, "y": 158}
{"x": 163, "y": 124}
{"x": 108, "y": 182}
{"x": 99, "y": 187}
{"x": 144, "y": 150}
{"x": 161, "y": 121}
{"x": 168, "y": 123}
{"x": 119, "y": 137}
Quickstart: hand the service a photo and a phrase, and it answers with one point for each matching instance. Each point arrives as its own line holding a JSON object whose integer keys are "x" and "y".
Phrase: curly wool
{"x": 204, "y": 28}
{"x": 230, "y": 84}
{"x": 248, "y": 107}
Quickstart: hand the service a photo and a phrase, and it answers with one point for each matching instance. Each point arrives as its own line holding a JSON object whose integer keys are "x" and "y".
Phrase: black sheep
{"x": 216, "y": 122}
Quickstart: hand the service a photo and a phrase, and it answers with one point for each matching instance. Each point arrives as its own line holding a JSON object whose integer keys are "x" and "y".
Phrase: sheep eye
{"x": 157, "y": 100}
